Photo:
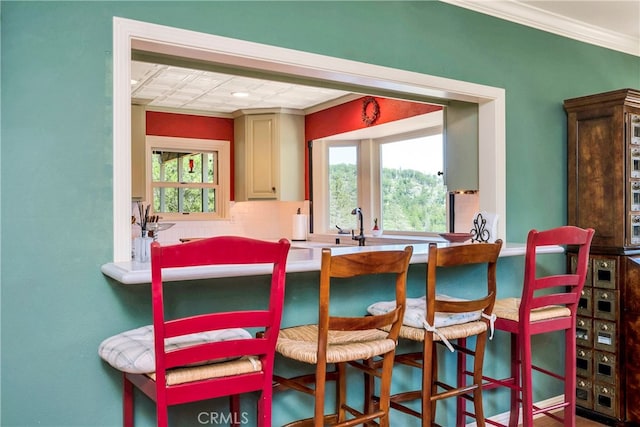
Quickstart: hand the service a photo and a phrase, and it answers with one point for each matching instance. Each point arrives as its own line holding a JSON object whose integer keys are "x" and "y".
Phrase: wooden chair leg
{"x": 517, "y": 382}
{"x": 461, "y": 403}
{"x": 429, "y": 369}
{"x": 388, "y": 362}
{"x": 478, "y": 362}
{"x": 162, "y": 415}
{"x": 341, "y": 391}
{"x": 321, "y": 378}
{"x": 570, "y": 378}
{"x": 127, "y": 402}
{"x": 369, "y": 387}
{"x": 526, "y": 382}
{"x": 234, "y": 410}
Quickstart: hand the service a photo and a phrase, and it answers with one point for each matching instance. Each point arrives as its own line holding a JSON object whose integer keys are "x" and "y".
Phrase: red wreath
{"x": 370, "y": 118}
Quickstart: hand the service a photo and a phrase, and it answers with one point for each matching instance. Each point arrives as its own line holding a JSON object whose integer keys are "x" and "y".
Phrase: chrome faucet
{"x": 360, "y": 237}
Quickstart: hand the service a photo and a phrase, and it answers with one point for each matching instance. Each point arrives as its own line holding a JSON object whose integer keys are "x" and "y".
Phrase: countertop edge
{"x": 135, "y": 273}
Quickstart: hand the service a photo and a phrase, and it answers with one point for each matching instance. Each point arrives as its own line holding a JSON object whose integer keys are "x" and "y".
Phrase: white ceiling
{"x": 611, "y": 24}
{"x": 621, "y": 17}
{"x": 181, "y": 88}
{"x": 614, "y": 24}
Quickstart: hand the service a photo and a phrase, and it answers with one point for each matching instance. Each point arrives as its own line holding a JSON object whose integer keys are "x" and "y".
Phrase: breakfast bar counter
{"x": 303, "y": 256}
{"x": 225, "y": 287}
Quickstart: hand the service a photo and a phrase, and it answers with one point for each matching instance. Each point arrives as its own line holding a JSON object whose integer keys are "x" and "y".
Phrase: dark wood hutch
{"x": 603, "y": 175}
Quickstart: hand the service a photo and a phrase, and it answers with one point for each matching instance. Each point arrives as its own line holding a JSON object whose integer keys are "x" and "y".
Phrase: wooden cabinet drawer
{"x": 584, "y": 362}
{"x": 605, "y": 335}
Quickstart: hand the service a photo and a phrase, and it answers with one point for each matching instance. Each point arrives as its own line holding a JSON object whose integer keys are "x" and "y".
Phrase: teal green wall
{"x": 56, "y": 154}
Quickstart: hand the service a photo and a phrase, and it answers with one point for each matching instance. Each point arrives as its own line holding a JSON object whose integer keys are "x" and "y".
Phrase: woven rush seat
{"x": 244, "y": 365}
{"x": 509, "y": 308}
{"x": 301, "y": 343}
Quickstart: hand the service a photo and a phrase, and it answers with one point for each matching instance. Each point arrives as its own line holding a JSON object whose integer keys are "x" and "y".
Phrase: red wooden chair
{"x": 548, "y": 303}
{"x": 209, "y": 355}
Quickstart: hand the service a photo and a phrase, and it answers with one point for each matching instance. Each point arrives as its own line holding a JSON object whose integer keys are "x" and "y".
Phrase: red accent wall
{"x": 192, "y": 126}
{"x": 339, "y": 119}
{"x": 348, "y": 117}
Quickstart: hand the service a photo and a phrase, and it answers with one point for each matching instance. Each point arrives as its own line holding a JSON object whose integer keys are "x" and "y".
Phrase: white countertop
{"x": 303, "y": 256}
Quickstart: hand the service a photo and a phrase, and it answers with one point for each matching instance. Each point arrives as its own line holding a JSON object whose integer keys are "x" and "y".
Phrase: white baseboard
{"x": 503, "y": 418}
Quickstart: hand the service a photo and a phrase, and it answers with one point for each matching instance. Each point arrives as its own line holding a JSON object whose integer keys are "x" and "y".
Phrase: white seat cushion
{"x": 132, "y": 351}
{"x": 415, "y": 314}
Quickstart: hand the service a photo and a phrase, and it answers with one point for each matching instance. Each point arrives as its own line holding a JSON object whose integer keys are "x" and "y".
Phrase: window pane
{"x": 174, "y": 200}
{"x": 191, "y": 168}
{"x": 173, "y": 166}
{"x": 343, "y": 185}
{"x": 191, "y": 200}
{"x": 413, "y": 194}
{"x": 211, "y": 199}
{"x": 165, "y": 200}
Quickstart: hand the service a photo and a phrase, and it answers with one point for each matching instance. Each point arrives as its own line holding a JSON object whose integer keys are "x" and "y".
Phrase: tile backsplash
{"x": 258, "y": 219}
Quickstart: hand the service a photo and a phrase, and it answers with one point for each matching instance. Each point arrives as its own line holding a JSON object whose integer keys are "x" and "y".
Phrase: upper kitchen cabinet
{"x": 138, "y": 133}
{"x": 269, "y": 157}
{"x": 461, "y": 146}
{"x": 603, "y": 155}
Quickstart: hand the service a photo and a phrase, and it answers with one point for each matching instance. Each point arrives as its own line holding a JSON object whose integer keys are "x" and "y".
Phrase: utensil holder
{"x": 142, "y": 249}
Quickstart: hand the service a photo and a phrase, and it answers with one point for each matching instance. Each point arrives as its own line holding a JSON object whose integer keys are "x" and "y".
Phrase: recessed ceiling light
{"x": 133, "y": 82}
{"x": 240, "y": 94}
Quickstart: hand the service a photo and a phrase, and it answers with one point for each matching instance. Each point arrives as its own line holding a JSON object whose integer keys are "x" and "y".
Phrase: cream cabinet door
{"x": 269, "y": 157}
{"x": 262, "y": 156}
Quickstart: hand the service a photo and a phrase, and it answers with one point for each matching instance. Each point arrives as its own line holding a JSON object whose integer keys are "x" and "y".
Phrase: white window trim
{"x": 174, "y": 41}
{"x": 369, "y": 180}
{"x": 377, "y": 204}
{"x": 224, "y": 165}
{"x": 320, "y": 179}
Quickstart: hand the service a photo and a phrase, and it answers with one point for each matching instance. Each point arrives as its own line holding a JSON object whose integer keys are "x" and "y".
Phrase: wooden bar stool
{"x": 341, "y": 341}
{"x": 548, "y": 303}
{"x": 448, "y": 320}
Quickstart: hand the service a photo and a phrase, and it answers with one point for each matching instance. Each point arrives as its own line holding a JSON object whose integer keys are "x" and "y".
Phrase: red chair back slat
{"x": 217, "y": 321}
{"x": 566, "y": 287}
{"x": 215, "y": 351}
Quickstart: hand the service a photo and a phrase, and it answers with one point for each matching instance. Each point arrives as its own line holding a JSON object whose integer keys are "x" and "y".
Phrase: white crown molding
{"x": 534, "y": 17}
